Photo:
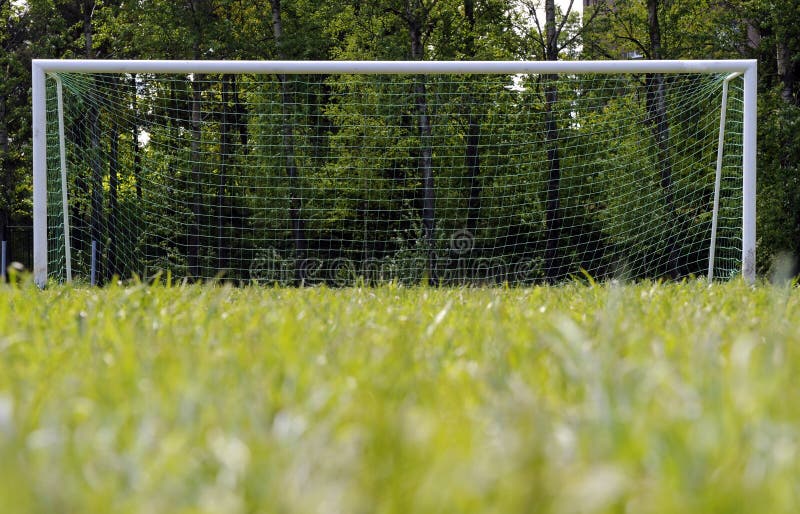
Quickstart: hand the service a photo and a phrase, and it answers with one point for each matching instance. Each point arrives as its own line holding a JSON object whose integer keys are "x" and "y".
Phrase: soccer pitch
{"x": 206, "y": 399}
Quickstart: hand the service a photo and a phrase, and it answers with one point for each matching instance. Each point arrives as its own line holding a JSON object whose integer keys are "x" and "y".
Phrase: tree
{"x": 397, "y": 155}
{"x": 629, "y": 28}
{"x": 417, "y": 15}
{"x": 296, "y": 201}
{"x": 659, "y": 125}
{"x": 473, "y": 158}
{"x": 548, "y": 45}
{"x": 475, "y": 31}
{"x": 774, "y": 38}
{"x": 13, "y": 98}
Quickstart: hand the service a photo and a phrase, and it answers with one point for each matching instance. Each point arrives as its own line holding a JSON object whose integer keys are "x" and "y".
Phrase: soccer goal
{"x": 281, "y": 172}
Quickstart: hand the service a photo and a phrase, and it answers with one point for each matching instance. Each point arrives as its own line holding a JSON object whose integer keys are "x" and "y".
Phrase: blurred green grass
{"x": 206, "y": 399}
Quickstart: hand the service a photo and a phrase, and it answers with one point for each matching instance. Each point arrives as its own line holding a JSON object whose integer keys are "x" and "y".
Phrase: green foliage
{"x": 703, "y": 29}
{"x": 355, "y": 29}
{"x": 15, "y": 155}
{"x": 779, "y": 183}
{"x": 659, "y": 398}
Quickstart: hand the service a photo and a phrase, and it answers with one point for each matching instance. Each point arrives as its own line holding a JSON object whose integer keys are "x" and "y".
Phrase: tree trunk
{"x": 87, "y": 30}
{"x": 786, "y": 72}
{"x": 295, "y": 198}
{"x": 4, "y": 143}
{"x": 659, "y": 125}
{"x": 426, "y": 153}
{"x": 94, "y": 152}
{"x": 5, "y": 170}
{"x": 96, "y": 185}
{"x": 237, "y": 216}
{"x": 194, "y": 226}
{"x": 472, "y": 163}
{"x": 113, "y": 195}
{"x": 240, "y": 109}
{"x": 553, "y": 217}
{"x": 137, "y": 159}
{"x": 224, "y": 152}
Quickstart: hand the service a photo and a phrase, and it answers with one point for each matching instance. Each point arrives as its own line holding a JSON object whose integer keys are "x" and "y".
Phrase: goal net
{"x": 344, "y": 173}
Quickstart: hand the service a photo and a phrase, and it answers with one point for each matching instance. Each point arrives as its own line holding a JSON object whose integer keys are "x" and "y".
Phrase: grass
{"x": 638, "y": 398}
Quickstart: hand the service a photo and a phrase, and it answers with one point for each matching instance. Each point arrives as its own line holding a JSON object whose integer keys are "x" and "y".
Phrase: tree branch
{"x": 586, "y": 23}
{"x": 539, "y": 39}
{"x": 564, "y": 21}
{"x": 629, "y": 36}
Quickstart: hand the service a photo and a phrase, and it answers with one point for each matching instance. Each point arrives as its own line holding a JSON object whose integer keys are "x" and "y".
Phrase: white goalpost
{"x": 303, "y": 172}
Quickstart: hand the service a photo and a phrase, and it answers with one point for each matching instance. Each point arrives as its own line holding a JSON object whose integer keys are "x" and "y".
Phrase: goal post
{"x": 409, "y": 170}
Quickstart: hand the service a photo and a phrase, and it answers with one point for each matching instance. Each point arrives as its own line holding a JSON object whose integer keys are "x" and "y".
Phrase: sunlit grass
{"x": 637, "y": 398}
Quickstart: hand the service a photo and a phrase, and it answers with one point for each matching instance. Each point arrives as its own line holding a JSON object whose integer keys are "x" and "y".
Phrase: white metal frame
{"x": 42, "y": 67}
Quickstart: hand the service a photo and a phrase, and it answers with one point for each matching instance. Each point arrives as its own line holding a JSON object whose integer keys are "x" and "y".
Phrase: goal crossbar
{"x": 41, "y": 68}
{"x": 394, "y": 67}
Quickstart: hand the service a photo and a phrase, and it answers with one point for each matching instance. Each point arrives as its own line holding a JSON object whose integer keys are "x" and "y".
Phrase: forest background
{"x": 417, "y": 29}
